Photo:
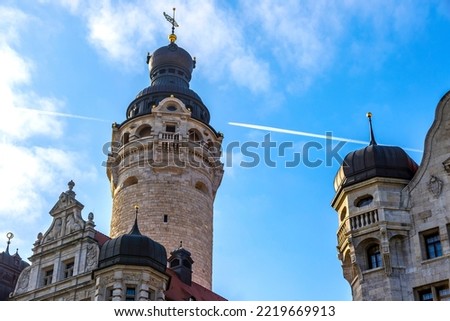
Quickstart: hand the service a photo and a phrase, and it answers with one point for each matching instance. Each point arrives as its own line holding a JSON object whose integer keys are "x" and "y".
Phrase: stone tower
{"x": 368, "y": 190}
{"x": 394, "y": 226}
{"x": 165, "y": 158}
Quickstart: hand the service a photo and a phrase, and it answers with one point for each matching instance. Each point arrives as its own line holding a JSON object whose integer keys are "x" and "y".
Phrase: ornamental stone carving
{"x": 435, "y": 186}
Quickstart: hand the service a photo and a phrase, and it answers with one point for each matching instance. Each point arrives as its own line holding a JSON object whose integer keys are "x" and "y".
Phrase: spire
{"x": 172, "y": 36}
{"x": 372, "y": 136}
{"x": 9, "y": 235}
{"x": 135, "y": 229}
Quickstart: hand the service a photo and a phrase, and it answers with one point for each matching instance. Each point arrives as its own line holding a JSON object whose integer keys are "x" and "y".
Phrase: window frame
{"x": 374, "y": 259}
{"x": 434, "y": 290}
{"x": 431, "y": 249}
{"x": 129, "y": 297}
{"x": 68, "y": 268}
{"x": 47, "y": 275}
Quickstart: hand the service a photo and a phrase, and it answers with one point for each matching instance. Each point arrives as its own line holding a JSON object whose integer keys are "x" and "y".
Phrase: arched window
{"x": 374, "y": 256}
{"x": 201, "y": 187}
{"x": 130, "y": 181}
{"x": 145, "y": 131}
{"x": 194, "y": 135}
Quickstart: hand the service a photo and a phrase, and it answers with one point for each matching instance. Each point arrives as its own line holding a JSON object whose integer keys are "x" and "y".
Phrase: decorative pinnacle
{"x": 172, "y": 36}
{"x": 372, "y": 136}
{"x": 71, "y": 184}
{"x": 135, "y": 229}
{"x": 9, "y": 235}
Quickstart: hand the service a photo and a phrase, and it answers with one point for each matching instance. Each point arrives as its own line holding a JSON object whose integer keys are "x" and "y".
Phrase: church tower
{"x": 165, "y": 158}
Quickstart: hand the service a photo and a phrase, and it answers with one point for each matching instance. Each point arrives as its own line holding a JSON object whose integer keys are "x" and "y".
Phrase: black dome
{"x": 133, "y": 249}
{"x": 170, "y": 73}
{"x": 171, "y": 56}
{"x": 375, "y": 161}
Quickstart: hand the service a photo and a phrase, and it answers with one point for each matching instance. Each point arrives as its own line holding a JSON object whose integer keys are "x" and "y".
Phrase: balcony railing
{"x": 364, "y": 219}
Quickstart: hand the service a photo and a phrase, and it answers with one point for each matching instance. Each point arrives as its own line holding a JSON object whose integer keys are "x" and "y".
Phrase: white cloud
{"x": 125, "y": 31}
{"x": 28, "y": 171}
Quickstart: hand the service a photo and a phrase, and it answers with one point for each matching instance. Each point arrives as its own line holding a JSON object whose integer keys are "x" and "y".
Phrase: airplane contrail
{"x": 54, "y": 113}
{"x": 299, "y": 133}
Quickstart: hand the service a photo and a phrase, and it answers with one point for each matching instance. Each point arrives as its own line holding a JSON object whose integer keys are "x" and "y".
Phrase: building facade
{"x": 164, "y": 171}
{"x": 394, "y": 219}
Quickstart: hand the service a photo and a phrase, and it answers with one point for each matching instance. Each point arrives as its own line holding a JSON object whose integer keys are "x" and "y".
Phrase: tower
{"x": 373, "y": 227}
{"x": 10, "y": 268}
{"x": 165, "y": 158}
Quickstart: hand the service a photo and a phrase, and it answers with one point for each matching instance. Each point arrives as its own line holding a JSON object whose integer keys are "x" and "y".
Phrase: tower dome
{"x": 133, "y": 249}
{"x": 170, "y": 63}
{"x": 374, "y": 161}
{"x": 170, "y": 73}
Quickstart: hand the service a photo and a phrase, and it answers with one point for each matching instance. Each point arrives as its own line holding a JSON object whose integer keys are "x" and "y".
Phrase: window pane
{"x": 434, "y": 248}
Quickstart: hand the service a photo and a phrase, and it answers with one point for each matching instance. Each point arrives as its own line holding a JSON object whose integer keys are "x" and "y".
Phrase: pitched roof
{"x": 180, "y": 291}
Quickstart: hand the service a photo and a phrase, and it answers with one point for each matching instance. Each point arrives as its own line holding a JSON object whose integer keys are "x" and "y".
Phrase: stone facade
{"x": 167, "y": 163}
{"x": 393, "y": 235}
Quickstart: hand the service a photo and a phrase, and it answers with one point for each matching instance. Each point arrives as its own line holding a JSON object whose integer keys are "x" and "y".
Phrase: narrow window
{"x": 68, "y": 269}
{"x": 130, "y": 294}
{"x": 433, "y": 246}
{"x": 48, "y": 276}
{"x": 145, "y": 131}
{"x": 165, "y": 218}
{"x": 374, "y": 256}
{"x": 125, "y": 138}
{"x": 109, "y": 294}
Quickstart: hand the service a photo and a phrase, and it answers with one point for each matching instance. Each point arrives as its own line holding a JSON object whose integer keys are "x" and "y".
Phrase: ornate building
{"x": 164, "y": 171}
{"x": 394, "y": 223}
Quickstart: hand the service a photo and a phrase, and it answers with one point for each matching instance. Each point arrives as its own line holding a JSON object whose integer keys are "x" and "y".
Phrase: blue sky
{"x": 68, "y": 69}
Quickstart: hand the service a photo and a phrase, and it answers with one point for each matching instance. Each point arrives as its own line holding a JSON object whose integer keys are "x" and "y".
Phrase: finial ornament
{"x": 9, "y": 235}
{"x": 372, "y": 136}
{"x": 172, "y": 36}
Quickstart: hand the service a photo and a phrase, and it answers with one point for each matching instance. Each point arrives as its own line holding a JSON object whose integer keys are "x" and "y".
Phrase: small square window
{"x": 130, "y": 294}
{"x": 170, "y": 128}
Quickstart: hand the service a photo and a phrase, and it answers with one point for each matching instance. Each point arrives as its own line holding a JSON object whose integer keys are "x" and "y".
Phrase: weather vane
{"x": 172, "y": 37}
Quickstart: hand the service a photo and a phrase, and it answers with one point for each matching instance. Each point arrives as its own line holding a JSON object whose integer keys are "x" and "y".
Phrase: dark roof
{"x": 10, "y": 268}
{"x": 180, "y": 291}
{"x": 170, "y": 73}
{"x": 171, "y": 56}
{"x": 375, "y": 161}
{"x": 133, "y": 249}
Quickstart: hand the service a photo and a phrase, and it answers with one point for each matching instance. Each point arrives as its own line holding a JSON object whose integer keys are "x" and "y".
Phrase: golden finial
{"x": 172, "y": 36}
